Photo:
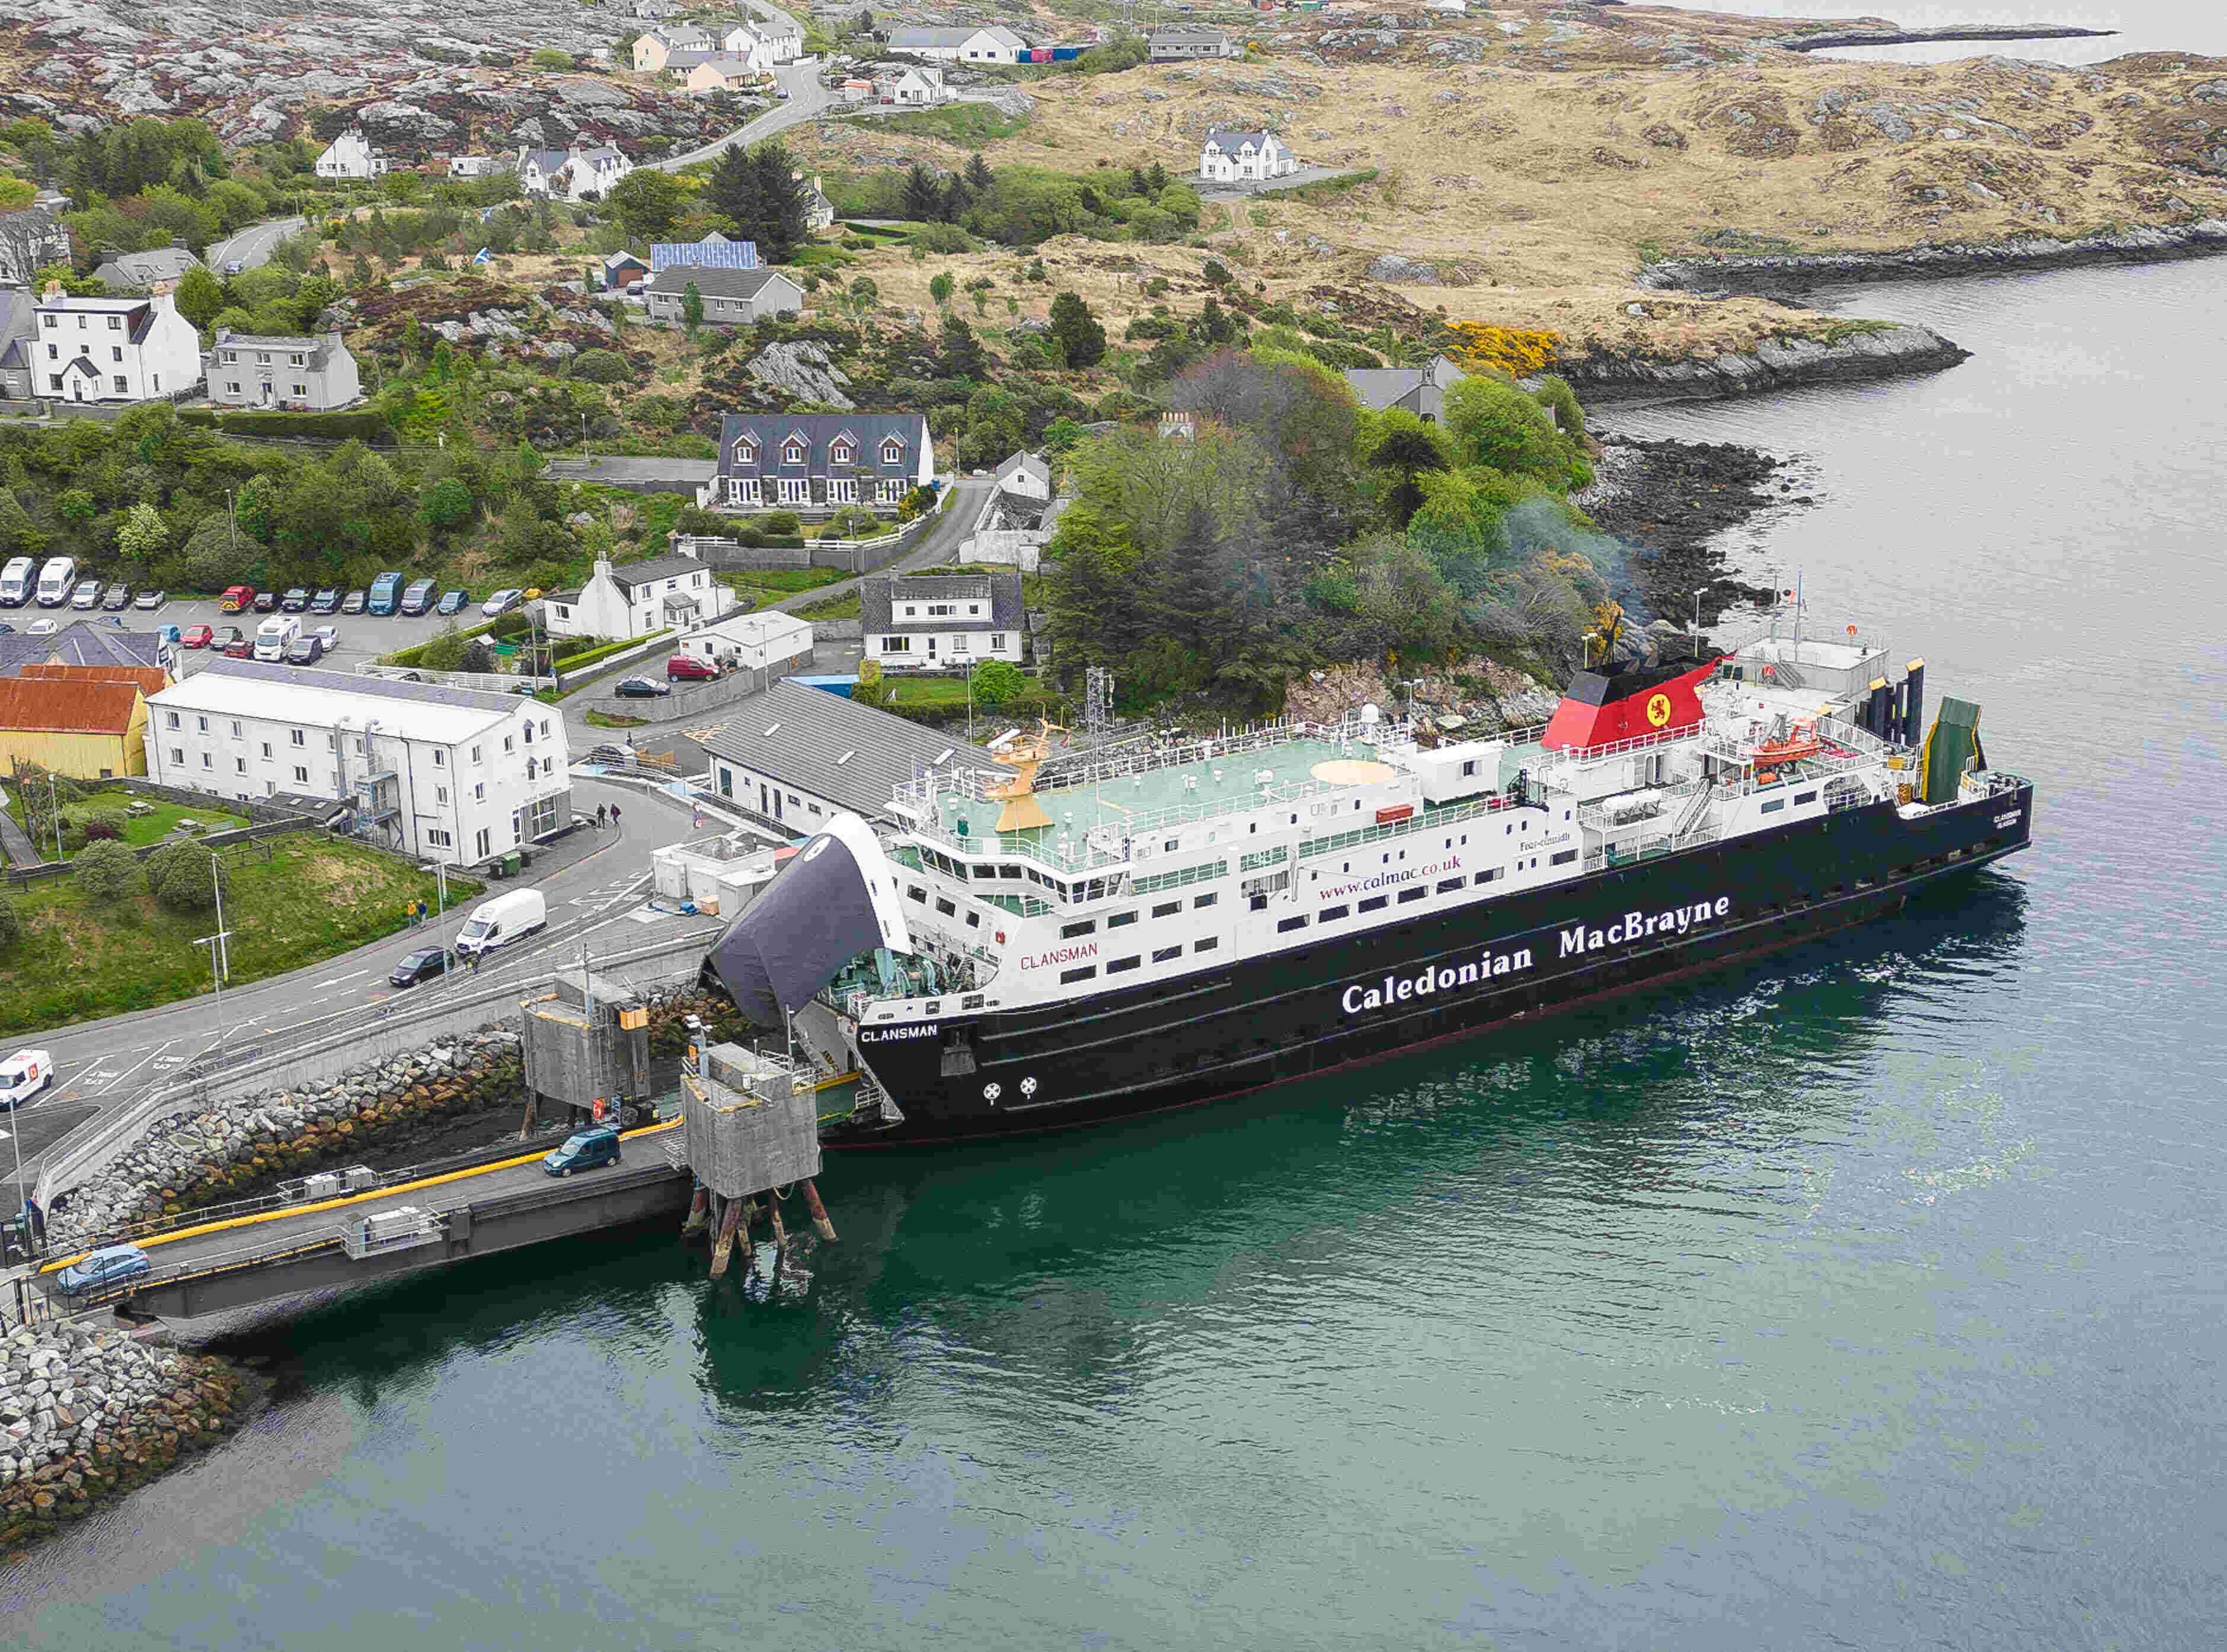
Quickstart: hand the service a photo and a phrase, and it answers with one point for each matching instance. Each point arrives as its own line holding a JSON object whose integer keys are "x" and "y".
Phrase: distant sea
{"x": 2144, "y": 26}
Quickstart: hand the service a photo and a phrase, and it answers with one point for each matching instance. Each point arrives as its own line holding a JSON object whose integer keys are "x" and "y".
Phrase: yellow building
{"x": 80, "y": 726}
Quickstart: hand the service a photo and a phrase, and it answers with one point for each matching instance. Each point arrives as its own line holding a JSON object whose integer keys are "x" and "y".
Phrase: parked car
{"x": 585, "y": 1152}
{"x": 608, "y": 753}
{"x": 417, "y": 597}
{"x": 687, "y": 668}
{"x": 148, "y": 601}
{"x": 452, "y": 601}
{"x": 235, "y": 599}
{"x": 501, "y": 603}
{"x": 243, "y": 649}
{"x": 225, "y": 635}
{"x": 353, "y": 602}
{"x": 43, "y": 627}
{"x": 304, "y": 651}
{"x": 266, "y": 602}
{"x": 195, "y": 636}
{"x": 294, "y": 600}
{"x": 641, "y": 688}
{"x": 87, "y": 594}
{"x": 426, "y": 963}
{"x": 7, "y": 630}
{"x": 118, "y": 598}
{"x": 327, "y": 601}
{"x": 329, "y": 635}
{"x": 111, "y": 1265}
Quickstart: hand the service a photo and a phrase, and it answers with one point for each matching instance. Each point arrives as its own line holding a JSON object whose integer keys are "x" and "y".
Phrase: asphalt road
{"x": 806, "y": 98}
{"x": 252, "y": 245}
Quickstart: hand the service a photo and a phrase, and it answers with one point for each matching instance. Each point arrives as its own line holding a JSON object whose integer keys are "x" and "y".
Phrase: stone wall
{"x": 85, "y": 1413}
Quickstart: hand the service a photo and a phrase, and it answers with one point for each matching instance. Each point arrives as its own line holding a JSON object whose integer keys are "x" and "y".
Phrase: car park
{"x": 266, "y": 602}
{"x": 452, "y": 601}
{"x": 501, "y": 603}
{"x": 426, "y": 963}
{"x": 87, "y": 594}
{"x": 585, "y": 1151}
{"x": 353, "y": 602}
{"x": 294, "y": 600}
{"x": 327, "y": 601}
{"x": 687, "y": 668}
{"x": 641, "y": 688}
{"x": 329, "y": 635}
{"x": 195, "y": 636}
{"x": 304, "y": 651}
{"x": 111, "y": 1266}
{"x": 118, "y": 598}
{"x": 147, "y": 601}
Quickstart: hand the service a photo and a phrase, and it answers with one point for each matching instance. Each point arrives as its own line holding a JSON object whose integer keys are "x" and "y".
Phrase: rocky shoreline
{"x": 1672, "y": 502}
{"x": 1829, "y": 39}
{"x": 86, "y": 1414}
{"x": 1861, "y": 350}
{"x": 1771, "y": 274}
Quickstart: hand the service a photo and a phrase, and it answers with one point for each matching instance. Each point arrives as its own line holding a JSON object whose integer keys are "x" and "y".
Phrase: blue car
{"x": 105, "y": 1268}
{"x": 584, "y": 1151}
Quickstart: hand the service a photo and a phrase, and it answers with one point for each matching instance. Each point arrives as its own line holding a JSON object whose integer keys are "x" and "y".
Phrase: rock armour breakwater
{"x": 86, "y": 1413}
{"x": 1770, "y": 273}
{"x": 1863, "y": 352}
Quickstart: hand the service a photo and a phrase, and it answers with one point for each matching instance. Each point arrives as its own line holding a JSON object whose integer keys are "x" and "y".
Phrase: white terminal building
{"x": 454, "y": 775}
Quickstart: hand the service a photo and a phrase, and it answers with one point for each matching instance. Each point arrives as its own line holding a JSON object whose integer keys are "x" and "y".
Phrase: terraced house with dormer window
{"x": 816, "y": 462}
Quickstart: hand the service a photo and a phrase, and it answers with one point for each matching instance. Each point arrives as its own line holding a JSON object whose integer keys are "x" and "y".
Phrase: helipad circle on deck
{"x": 1351, "y": 771}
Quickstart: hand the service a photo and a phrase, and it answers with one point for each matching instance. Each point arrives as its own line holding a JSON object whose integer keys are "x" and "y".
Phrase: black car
{"x": 305, "y": 651}
{"x": 327, "y": 601}
{"x": 353, "y": 602}
{"x": 451, "y": 602}
{"x": 117, "y": 599}
{"x": 641, "y": 688}
{"x": 266, "y": 602}
{"x": 225, "y": 635}
{"x": 294, "y": 601}
{"x": 426, "y": 963}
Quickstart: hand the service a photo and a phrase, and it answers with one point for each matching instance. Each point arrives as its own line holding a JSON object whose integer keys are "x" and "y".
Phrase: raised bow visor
{"x": 836, "y": 898}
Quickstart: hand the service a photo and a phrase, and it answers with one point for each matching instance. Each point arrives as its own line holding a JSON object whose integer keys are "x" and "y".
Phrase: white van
{"x": 23, "y": 1075}
{"x": 273, "y": 636}
{"x": 494, "y": 924}
{"x": 16, "y": 581}
{"x": 56, "y": 580}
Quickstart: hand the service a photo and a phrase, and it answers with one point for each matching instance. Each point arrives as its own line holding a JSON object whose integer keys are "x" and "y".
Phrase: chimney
{"x": 161, "y": 298}
{"x": 52, "y": 292}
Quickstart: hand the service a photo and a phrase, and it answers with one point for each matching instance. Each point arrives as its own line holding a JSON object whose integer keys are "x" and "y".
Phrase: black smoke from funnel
{"x": 1539, "y": 528}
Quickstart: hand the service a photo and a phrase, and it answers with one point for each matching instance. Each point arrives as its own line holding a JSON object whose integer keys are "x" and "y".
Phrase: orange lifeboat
{"x": 1800, "y": 742}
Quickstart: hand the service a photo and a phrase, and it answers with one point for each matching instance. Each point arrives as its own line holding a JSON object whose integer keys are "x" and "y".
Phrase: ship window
{"x": 1013, "y": 872}
{"x": 1260, "y": 903}
{"x": 1120, "y": 920}
{"x": 1407, "y": 895}
{"x": 1171, "y": 844}
{"x": 1805, "y": 797}
{"x": 1287, "y": 925}
{"x": 974, "y": 920}
{"x": 1203, "y": 900}
{"x": 916, "y": 893}
{"x": 1774, "y": 805}
{"x": 1207, "y": 945}
{"x": 1375, "y": 903}
{"x": 982, "y": 873}
{"x": 1488, "y": 877}
{"x": 1562, "y": 859}
{"x": 1166, "y": 955}
{"x": 1081, "y": 974}
{"x": 1123, "y": 965}
{"x": 1450, "y": 885}
{"x": 1508, "y": 829}
{"x": 1087, "y": 926}
{"x": 1167, "y": 908}
{"x": 1329, "y": 913}
{"x": 945, "y": 906}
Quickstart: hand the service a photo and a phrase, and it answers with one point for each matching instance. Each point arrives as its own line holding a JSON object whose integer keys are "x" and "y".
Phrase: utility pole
{"x": 232, "y": 511}
{"x": 216, "y": 884}
{"x": 53, "y": 814}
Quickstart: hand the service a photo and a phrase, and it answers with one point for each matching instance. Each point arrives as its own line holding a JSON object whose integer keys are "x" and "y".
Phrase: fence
{"x": 688, "y": 699}
{"x": 847, "y": 556}
{"x": 486, "y": 682}
{"x": 276, "y": 822}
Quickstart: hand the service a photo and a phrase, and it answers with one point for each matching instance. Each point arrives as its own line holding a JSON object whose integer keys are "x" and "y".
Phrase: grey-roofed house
{"x": 621, "y": 269}
{"x": 87, "y": 643}
{"x": 635, "y": 599}
{"x": 1186, "y": 41}
{"x": 730, "y": 295}
{"x": 126, "y": 272}
{"x": 927, "y": 621}
{"x": 29, "y": 241}
{"x": 682, "y": 59}
{"x": 313, "y": 375}
{"x": 1421, "y": 391}
{"x": 796, "y": 754}
{"x": 992, "y": 44}
{"x": 1025, "y": 474}
{"x": 714, "y": 251}
{"x": 804, "y": 461}
{"x": 1237, "y": 157}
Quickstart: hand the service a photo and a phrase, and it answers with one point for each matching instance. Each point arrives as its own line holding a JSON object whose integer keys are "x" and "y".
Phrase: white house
{"x": 1231, "y": 157}
{"x": 927, "y": 621}
{"x": 1025, "y": 474}
{"x": 314, "y": 375}
{"x": 769, "y": 642}
{"x": 994, "y": 44}
{"x": 112, "y": 349}
{"x": 454, "y": 775}
{"x": 746, "y": 43}
{"x": 919, "y": 87}
{"x": 351, "y": 155}
{"x": 782, "y": 38}
{"x": 478, "y": 166}
{"x": 573, "y": 173}
{"x": 669, "y": 593}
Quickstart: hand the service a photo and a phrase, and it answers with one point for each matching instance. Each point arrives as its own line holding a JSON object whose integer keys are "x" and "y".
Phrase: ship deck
{"x": 1223, "y": 785}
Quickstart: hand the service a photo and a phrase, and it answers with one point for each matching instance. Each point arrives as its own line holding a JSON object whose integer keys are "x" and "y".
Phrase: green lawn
{"x": 136, "y": 830}
{"x": 313, "y": 897}
{"x": 760, "y": 588}
{"x": 969, "y": 125}
{"x": 608, "y": 720}
{"x": 845, "y": 607}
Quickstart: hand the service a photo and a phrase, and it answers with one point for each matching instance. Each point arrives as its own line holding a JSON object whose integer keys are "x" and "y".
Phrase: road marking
{"x": 337, "y": 979}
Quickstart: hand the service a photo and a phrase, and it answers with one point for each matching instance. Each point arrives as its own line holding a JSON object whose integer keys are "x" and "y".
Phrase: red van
{"x": 236, "y": 599}
{"x": 687, "y": 668}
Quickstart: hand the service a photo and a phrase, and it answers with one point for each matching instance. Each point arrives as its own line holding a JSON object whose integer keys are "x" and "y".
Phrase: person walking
{"x": 614, "y": 817}
{"x": 602, "y": 816}
{"x": 421, "y": 909}
{"x": 475, "y": 963}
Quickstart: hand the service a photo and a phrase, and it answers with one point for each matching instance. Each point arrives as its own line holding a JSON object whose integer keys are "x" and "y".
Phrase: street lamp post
{"x": 54, "y": 813}
{"x": 216, "y": 976}
{"x": 1697, "y": 612}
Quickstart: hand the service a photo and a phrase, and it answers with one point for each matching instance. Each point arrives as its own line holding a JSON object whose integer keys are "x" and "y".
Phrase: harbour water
{"x": 1869, "y": 1297}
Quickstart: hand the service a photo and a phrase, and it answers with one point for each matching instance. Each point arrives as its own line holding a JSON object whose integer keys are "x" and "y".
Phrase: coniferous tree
{"x": 978, "y": 174}
{"x": 958, "y": 351}
{"x": 784, "y": 226}
{"x": 1077, "y": 330}
{"x": 733, "y": 191}
{"x": 956, "y": 199}
{"x": 1157, "y": 179}
{"x": 923, "y": 201}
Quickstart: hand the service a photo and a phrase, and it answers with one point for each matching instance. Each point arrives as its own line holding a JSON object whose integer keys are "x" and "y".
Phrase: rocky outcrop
{"x": 801, "y": 371}
{"x": 1833, "y": 40}
{"x": 1863, "y": 351}
{"x": 1487, "y": 696}
{"x": 1394, "y": 269}
{"x": 85, "y": 1413}
{"x": 1773, "y": 272}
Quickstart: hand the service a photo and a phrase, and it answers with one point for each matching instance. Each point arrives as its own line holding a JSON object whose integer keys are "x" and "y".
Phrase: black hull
{"x": 1439, "y": 977}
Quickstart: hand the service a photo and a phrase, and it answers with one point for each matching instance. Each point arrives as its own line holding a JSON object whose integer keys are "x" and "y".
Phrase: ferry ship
{"x": 1078, "y": 938}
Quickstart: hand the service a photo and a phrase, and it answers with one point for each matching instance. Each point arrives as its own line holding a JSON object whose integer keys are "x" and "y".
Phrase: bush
{"x": 370, "y": 429}
{"x": 179, "y": 877}
{"x": 600, "y": 367}
{"x": 101, "y": 829}
{"x": 11, "y": 925}
{"x": 779, "y": 522}
{"x": 107, "y": 871}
